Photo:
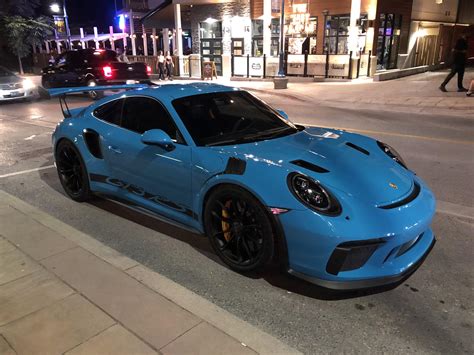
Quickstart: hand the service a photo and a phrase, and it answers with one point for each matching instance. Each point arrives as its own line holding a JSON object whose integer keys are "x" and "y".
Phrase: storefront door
{"x": 211, "y": 50}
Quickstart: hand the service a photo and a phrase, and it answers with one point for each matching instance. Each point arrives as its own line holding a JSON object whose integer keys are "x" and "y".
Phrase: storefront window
{"x": 388, "y": 40}
{"x": 257, "y": 37}
{"x": 336, "y": 34}
{"x": 211, "y": 30}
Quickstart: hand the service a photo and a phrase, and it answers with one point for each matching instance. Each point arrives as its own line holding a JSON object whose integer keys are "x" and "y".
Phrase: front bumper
{"x": 367, "y": 283}
{"x": 365, "y": 246}
{"x": 7, "y": 95}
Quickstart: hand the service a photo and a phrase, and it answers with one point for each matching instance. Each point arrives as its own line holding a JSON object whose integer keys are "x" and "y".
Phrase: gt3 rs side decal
{"x": 139, "y": 191}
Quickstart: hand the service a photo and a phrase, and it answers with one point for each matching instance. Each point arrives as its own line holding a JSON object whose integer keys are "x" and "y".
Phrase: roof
{"x": 174, "y": 91}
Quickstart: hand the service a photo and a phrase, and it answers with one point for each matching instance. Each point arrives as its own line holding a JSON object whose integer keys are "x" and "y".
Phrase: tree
{"x": 22, "y": 33}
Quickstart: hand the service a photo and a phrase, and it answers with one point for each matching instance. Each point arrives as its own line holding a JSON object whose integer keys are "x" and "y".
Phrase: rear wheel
{"x": 72, "y": 171}
{"x": 239, "y": 229}
{"x": 94, "y": 95}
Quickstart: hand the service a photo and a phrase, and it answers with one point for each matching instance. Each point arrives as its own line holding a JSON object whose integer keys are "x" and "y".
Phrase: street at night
{"x": 431, "y": 312}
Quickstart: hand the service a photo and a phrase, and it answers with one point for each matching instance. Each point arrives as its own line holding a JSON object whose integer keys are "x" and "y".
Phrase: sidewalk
{"x": 61, "y": 291}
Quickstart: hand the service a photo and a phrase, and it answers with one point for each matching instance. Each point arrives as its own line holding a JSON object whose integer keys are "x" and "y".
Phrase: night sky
{"x": 89, "y": 13}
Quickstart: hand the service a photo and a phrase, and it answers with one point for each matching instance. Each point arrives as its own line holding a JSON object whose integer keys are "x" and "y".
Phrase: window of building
{"x": 141, "y": 114}
{"x": 388, "y": 40}
{"x": 257, "y": 37}
{"x": 211, "y": 30}
{"x": 336, "y": 34}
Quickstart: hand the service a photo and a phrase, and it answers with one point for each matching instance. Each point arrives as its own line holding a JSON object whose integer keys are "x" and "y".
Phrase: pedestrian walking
{"x": 470, "y": 91}
{"x": 459, "y": 64}
{"x": 169, "y": 65}
{"x": 160, "y": 66}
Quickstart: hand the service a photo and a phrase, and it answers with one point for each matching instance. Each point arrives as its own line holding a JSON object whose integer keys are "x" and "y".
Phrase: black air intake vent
{"x": 93, "y": 143}
{"x": 356, "y": 147}
{"x": 309, "y": 166}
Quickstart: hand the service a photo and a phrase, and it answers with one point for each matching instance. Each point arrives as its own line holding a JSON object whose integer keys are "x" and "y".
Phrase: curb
{"x": 233, "y": 326}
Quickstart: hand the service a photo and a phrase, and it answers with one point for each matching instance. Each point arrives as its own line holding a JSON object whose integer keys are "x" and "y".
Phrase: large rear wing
{"x": 61, "y": 93}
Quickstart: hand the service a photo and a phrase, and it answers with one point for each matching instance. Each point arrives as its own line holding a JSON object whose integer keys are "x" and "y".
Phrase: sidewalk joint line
{"x": 187, "y": 331}
{"x": 6, "y": 341}
{"x": 90, "y": 338}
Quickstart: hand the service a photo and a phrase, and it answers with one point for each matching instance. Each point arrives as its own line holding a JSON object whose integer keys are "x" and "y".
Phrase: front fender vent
{"x": 309, "y": 166}
{"x": 414, "y": 194}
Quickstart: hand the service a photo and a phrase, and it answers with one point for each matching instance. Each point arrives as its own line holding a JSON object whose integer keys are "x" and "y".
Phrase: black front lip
{"x": 368, "y": 283}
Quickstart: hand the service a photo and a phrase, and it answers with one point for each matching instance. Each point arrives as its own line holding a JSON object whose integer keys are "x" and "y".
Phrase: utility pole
{"x": 66, "y": 23}
{"x": 281, "y": 81}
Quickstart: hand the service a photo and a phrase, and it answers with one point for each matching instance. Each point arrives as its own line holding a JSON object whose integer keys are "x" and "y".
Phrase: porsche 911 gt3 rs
{"x": 335, "y": 208}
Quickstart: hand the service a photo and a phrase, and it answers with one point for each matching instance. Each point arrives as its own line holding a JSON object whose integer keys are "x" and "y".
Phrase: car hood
{"x": 9, "y": 79}
{"x": 355, "y": 164}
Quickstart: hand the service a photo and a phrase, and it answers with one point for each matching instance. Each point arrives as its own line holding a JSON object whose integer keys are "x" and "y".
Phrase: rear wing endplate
{"x": 61, "y": 93}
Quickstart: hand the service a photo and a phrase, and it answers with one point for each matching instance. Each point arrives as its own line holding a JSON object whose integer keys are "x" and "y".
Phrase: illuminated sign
{"x": 121, "y": 22}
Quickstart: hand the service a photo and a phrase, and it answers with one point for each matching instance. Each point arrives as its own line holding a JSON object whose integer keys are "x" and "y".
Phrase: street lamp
{"x": 56, "y": 8}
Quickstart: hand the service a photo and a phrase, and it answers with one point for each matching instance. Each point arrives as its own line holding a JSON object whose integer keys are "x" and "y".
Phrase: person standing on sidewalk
{"x": 169, "y": 65}
{"x": 459, "y": 64}
{"x": 160, "y": 66}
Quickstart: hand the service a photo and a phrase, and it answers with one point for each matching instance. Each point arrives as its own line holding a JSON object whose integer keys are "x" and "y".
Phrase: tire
{"x": 72, "y": 171}
{"x": 94, "y": 95}
{"x": 239, "y": 229}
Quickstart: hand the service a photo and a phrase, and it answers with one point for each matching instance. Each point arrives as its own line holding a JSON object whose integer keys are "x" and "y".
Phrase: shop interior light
{"x": 210, "y": 20}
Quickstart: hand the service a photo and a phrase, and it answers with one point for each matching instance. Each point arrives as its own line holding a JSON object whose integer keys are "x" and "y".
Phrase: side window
{"x": 140, "y": 114}
{"x": 110, "y": 112}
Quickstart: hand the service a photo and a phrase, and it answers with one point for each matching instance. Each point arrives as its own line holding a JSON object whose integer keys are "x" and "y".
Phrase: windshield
{"x": 225, "y": 118}
{"x": 4, "y": 72}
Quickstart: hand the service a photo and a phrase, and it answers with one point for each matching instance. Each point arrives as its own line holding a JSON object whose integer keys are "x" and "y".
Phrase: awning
{"x": 163, "y": 15}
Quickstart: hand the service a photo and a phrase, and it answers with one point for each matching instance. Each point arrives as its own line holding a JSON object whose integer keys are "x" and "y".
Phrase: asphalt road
{"x": 431, "y": 312}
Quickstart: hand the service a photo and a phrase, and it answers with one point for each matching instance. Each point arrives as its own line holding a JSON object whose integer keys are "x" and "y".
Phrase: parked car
{"x": 14, "y": 87}
{"x": 91, "y": 67}
{"x": 338, "y": 209}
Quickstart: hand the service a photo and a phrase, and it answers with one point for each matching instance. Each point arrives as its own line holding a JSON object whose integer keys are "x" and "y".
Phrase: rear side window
{"x": 141, "y": 114}
{"x": 110, "y": 112}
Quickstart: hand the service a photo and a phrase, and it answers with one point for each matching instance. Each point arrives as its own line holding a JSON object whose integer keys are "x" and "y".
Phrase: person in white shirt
{"x": 160, "y": 66}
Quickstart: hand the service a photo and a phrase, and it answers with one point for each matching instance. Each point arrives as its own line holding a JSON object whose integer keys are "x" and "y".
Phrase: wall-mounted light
{"x": 210, "y": 20}
{"x": 439, "y": 2}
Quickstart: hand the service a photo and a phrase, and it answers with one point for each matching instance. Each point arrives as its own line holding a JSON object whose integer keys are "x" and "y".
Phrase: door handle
{"x": 115, "y": 149}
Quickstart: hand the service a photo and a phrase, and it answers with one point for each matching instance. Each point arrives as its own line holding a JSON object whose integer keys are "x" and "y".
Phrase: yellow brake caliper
{"x": 225, "y": 225}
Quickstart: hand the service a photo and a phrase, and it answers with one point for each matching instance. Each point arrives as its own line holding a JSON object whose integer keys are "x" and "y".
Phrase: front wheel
{"x": 94, "y": 95}
{"x": 72, "y": 171}
{"x": 239, "y": 229}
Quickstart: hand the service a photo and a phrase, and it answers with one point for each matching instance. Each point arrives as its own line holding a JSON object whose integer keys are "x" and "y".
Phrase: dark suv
{"x": 90, "y": 67}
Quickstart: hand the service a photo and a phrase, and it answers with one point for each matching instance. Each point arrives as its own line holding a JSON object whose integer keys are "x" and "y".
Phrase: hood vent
{"x": 356, "y": 147}
{"x": 309, "y": 166}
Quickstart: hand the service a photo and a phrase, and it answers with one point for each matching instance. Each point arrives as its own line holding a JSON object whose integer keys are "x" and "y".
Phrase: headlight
{"x": 313, "y": 195}
{"x": 392, "y": 153}
{"x": 28, "y": 84}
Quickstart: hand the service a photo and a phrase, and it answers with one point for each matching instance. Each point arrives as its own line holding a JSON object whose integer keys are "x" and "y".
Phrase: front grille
{"x": 12, "y": 86}
{"x": 352, "y": 255}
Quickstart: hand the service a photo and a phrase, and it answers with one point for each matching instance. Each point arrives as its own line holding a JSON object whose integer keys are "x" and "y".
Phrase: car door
{"x": 65, "y": 70}
{"x": 152, "y": 176}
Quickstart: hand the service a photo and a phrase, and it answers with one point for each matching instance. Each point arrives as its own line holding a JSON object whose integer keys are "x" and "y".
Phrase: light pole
{"x": 281, "y": 81}
{"x": 281, "y": 71}
{"x": 56, "y": 9}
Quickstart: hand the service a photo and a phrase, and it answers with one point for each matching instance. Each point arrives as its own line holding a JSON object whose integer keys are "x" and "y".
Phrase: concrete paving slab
{"x": 85, "y": 241}
{"x": 57, "y": 328}
{"x": 205, "y": 339}
{"x": 6, "y": 246}
{"x": 32, "y": 237}
{"x": 148, "y": 314}
{"x": 14, "y": 264}
{"x": 29, "y": 294}
{"x": 5, "y": 349}
{"x": 113, "y": 341}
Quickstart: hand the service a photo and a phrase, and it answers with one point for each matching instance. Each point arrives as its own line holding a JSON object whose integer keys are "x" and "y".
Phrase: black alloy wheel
{"x": 72, "y": 171}
{"x": 239, "y": 229}
{"x": 94, "y": 95}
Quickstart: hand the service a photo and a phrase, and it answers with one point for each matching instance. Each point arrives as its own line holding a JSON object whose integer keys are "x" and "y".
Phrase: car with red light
{"x": 92, "y": 67}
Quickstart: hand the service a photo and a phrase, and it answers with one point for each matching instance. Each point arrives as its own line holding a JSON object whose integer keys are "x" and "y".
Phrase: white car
{"x": 13, "y": 87}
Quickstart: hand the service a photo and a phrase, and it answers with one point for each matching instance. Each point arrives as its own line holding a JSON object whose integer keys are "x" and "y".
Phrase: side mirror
{"x": 159, "y": 138}
{"x": 283, "y": 114}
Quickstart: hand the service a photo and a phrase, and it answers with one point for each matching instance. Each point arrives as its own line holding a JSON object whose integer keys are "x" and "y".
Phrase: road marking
{"x": 26, "y": 171}
{"x": 455, "y": 209}
{"x": 30, "y": 137}
{"x": 394, "y": 134}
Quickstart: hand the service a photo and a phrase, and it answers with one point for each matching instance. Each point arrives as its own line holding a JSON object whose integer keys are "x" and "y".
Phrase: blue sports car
{"x": 335, "y": 208}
